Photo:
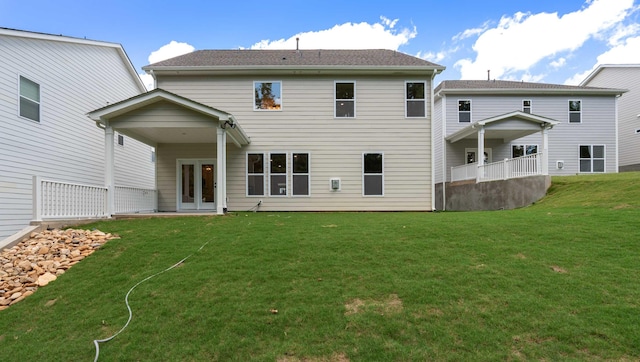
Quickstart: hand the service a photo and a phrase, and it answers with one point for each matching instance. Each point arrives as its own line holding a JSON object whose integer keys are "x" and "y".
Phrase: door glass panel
{"x": 207, "y": 183}
{"x": 188, "y": 184}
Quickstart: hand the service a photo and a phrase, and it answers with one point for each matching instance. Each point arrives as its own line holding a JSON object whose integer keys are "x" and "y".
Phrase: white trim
{"x": 372, "y": 174}
{"x": 308, "y": 174}
{"x": 254, "y": 100}
{"x": 406, "y": 100}
{"x": 470, "y": 110}
{"x": 335, "y": 100}
{"x": 286, "y": 174}
{"x": 263, "y": 174}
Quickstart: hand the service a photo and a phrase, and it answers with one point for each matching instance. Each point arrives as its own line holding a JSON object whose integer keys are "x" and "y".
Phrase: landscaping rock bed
{"x": 41, "y": 258}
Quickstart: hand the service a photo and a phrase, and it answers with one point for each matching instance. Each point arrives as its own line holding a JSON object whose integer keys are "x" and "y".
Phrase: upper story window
{"x": 575, "y": 111}
{"x": 464, "y": 110}
{"x": 29, "y": 99}
{"x": 526, "y": 106}
{"x": 345, "y": 99}
{"x": 416, "y": 103}
{"x": 267, "y": 96}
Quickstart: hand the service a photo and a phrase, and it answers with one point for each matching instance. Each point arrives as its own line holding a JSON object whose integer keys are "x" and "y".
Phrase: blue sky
{"x": 532, "y": 40}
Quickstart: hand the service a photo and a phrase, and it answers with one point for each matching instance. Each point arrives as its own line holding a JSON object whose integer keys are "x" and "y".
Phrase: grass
{"x": 559, "y": 280}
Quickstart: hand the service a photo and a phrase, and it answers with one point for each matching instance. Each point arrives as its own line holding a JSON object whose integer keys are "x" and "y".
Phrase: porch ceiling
{"x": 159, "y": 116}
{"x": 506, "y": 127}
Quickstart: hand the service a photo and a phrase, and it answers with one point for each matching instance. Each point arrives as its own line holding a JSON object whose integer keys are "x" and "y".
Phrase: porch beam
{"x": 221, "y": 160}
{"x": 109, "y": 176}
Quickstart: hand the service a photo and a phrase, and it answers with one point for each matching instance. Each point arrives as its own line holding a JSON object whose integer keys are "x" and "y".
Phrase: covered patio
{"x": 190, "y": 139}
{"x": 504, "y": 129}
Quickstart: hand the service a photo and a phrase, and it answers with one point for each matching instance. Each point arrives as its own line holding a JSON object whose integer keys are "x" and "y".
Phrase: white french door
{"x": 195, "y": 184}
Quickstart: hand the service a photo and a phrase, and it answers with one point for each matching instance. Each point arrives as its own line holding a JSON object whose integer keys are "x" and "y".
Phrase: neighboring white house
{"x": 623, "y": 76}
{"x": 514, "y": 119}
{"x": 294, "y": 130}
{"x": 47, "y": 85}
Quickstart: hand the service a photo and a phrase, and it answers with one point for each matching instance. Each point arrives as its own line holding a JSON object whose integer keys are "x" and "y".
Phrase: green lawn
{"x": 559, "y": 280}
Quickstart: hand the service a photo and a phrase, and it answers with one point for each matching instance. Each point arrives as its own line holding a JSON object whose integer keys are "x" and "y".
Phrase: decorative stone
{"x": 46, "y": 278}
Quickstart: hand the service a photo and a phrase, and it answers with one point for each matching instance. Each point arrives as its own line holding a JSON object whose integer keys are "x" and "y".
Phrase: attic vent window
{"x": 121, "y": 140}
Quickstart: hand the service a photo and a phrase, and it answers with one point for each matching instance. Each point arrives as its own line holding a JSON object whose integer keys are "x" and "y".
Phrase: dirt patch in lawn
{"x": 390, "y": 305}
{"x": 336, "y": 357}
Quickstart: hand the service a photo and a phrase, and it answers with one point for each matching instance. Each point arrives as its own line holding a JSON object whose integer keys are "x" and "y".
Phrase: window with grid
{"x": 415, "y": 99}
{"x": 255, "y": 174}
{"x": 345, "y": 99}
{"x": 464, "y": 111}
{"x": 29, "y": 99}
{"x": 592, "y": 158}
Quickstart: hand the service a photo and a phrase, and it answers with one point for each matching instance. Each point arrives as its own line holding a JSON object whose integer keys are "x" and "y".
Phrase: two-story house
{"x": 47, "y": 85}
{"x": 623, "y": 76}
{"x": 294, "y": 130}
{"x": 487, "y": 130}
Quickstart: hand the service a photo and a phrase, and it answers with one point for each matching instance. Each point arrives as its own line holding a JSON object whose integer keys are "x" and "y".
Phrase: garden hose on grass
{"x": 97, "y": 342}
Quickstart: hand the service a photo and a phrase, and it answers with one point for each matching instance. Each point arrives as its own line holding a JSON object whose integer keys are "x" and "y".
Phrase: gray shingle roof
{"x": 288, "y": 58}
{"x": 506, "y": 85}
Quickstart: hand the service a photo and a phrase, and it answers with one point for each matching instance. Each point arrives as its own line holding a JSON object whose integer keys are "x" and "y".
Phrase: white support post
{"x": 545, "y": 151}
{"x": 505, "y": 168}
{"x": 221, "y": 160}
{"x": 109, "y": 177}
{"x": 480, "y": 155}
{"x": 37, "y": 198}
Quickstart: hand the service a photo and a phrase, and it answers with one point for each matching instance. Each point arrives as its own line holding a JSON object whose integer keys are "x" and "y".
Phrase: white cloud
{"x": 171, "y": 50}
{"x": 148, "y": 81}
{"x": 558, "y": 63}
{"x": 167, "y": 51}
{"x": 471, "y": 32}
{"x": 381, "y": 35}
{"x": 627, "y": 52}
{"x": 519, "y": 42}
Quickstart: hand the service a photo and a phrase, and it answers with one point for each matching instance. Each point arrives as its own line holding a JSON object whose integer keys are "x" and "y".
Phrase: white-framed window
{"x": 415, "y": 100}
{"x": 592, "y": 158}
{"x": 120, "y": 140}
{"x": 29, "y": 99}
{"x": 345, "y": 99}
{"x": 575, "y": 111}
{"x": 300, "y": 174}
{"x": 255, "y": 174}
{"x": 277, "y": 174}
{"x": 267, "y": 95}
{"x": 464, "y": 110}
{"x": 373, "y": 174}
{"x": 523, "y": 150}
{"x": 526, "y": 105}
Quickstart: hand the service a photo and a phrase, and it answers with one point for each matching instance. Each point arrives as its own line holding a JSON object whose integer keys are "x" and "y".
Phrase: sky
{"x": 550, "y": 41}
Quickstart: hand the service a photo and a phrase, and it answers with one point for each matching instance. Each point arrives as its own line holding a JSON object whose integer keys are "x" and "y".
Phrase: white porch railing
{"x": 508, "y": 168}
{"x": 464, "y": 172}
{"x": 65, "y": 200}
{"x": 133, "y": 199}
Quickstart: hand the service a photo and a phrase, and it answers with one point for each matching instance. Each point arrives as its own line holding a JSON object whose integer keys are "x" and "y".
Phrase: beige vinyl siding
{"x": 167, "y": 163}
{"x": 625, "y": 77}
{"x": 597, "y": 128}
{"x": 65, "y": 145}
{"x": 306, "y": 123}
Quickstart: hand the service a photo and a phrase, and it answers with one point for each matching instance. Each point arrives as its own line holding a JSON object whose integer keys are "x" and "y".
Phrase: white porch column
{"x": 545, "y": 150}
{"x": 480, "y": 155}
{"x": 221, "y": 171}
{"x": 109, "y": 177}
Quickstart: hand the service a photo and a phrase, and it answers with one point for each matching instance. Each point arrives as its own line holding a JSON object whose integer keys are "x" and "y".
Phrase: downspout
{"x": 617, "y": 137}
{"x": 444, "y": 152}
{"x": 433, "y": 157}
